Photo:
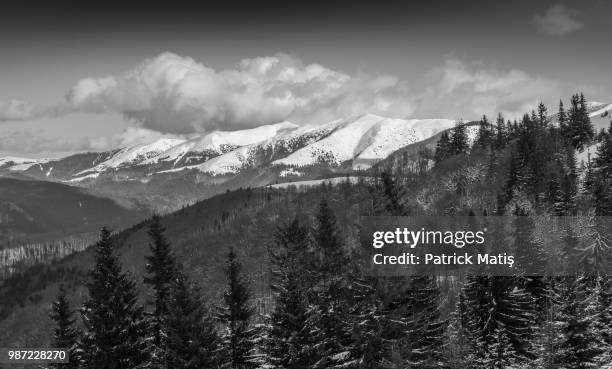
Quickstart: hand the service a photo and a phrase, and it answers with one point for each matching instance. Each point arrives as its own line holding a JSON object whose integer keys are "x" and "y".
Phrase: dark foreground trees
{"x": 115, "y": 334}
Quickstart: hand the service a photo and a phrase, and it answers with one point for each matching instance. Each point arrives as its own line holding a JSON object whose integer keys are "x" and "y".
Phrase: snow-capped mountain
{"x": 181, "y": 170}
{"x": 200, "y": 149}
{"x": 11, "y": 161}
{"x": 134, "y": 155}
{"x": 365, "y": 140}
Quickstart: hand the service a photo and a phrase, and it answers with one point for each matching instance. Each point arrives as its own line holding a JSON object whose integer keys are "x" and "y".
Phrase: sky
{"x": 84, "y": 76}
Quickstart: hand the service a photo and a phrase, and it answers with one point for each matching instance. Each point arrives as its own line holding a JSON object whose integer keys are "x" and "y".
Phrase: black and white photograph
{"x": 306, "y": 185}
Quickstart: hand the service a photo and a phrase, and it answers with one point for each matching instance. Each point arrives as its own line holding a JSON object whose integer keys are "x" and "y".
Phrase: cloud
{"x": 129, "y": 137}
{"x": 17, "y": 110}
{"x": 557, "y": 21}
{"x": 457, "y": 87}
{"x": 175, "y": 94}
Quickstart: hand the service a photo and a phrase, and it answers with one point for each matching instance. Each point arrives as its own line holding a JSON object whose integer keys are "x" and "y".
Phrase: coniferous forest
{"x": 270, "y": 278}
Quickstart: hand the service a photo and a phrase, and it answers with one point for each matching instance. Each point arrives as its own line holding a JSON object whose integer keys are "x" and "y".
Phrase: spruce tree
{"x": 530, "y": 259}
{"x": 601, "y": 313}
{"x": 458, "y": 347}
{"x": 329, "y": 309}
{"x": 65, "y": 334}
{"x": 330, "y": 257}
{"x": 601, "y": 177}
{"x": 577, "y": 348}
{"x": 236, "y": 315}
{"x": 191, "y": 341}
{"x": 543, "y": 119}
{"x": 579, "y": 130}
{"x": 161, "y": 271}
{"x": 387, "y": 196}
{"x": 501, "y": 134}
{"x": 287, "y": 342}
{"x": 459, "y": 140}
{"x": 442, "y": 148}
{"x": 494, "y": 304}
{"x": 427, "y": 337}
{"x": 115, "y": 335}
{"x": 484, "y": 137}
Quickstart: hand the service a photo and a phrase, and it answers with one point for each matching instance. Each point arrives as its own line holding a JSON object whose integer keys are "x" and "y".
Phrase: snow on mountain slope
{"x": 218, "y": 142}
{"x": 24, "y": 164}
{"x": 243, "y": 157}
{"x": 11, "y": 161}
{"x": 134, "y": 155}
{"x": 369, "y": 137}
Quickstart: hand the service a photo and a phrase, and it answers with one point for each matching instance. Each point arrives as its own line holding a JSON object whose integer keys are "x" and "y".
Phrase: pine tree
{"x": 577, "y": 349}
{"x": 442, "y": 148}
{"x": 236, "y": 314}
{"x": 64, "y": 333}
{"x": 562, "y": 119}
{"x": 387, "y": 196}
{"x": 500, "y": 353}
{"x": 427, "y": 337}
{"x": 501, "y": 134}
{"x": 498, "y": 303}
{"x": 458, "y": 346}
{"x": 547, "y": 341}
{"x": 459, "y": 140}
{"x": 191, "y": 341}
{"x": 115, "y": 336}
{"x": 484, "y": 137}
{"x": 331, "y": 295}
{"x": 601, "y": 313}
{"x": 543, "y": 119}
{"x": 161, "y": 271}
{"x": 530, "y": 258}
{"x": 288, "y": 342}
{"x": 579, "y": 130}
{"x": 330, "y": 257}
{"x": 601, "y": 177}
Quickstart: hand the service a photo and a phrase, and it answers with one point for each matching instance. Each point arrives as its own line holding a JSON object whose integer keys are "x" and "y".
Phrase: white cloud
{"x": 176, "y": 94}
{"x": 17, "y": 110}
{"x": 129, "y": 137}
{"x": 558, "y": 20}
{"x": 475, "y": 88}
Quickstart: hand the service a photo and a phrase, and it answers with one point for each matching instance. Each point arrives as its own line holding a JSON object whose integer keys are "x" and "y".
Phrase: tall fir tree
{"x": 443, "y": 148}
{"x": 579, "y": 130}
{"x": 115, "y": 328}
{"x": 501, "y": 133}
{"x": 484, "y": 138}
{"x": 191, "y": 340}
{"x": 236, "y": 314}
{"x": 288, "y": 343}
{"x": 459, "y": 141}
{"x": 161, "y": 272}
{"x": 578, "y": 348}
{"x": 65, "y": 334}
{"x": 330, "y": 295}
{"x": 498, "y": 308}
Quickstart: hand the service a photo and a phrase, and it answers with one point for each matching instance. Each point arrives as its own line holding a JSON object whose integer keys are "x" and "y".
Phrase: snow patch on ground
{"x": 318, "y": 182}
{"x": 290, "y": 172}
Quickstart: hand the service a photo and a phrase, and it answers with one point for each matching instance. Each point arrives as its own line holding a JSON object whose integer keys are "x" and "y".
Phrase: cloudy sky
{"x": 82, "y": 77}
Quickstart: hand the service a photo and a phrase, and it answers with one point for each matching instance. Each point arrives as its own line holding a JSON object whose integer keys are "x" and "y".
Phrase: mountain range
{"x": 177, "y": 171}
{"x": 170, "y": 173}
